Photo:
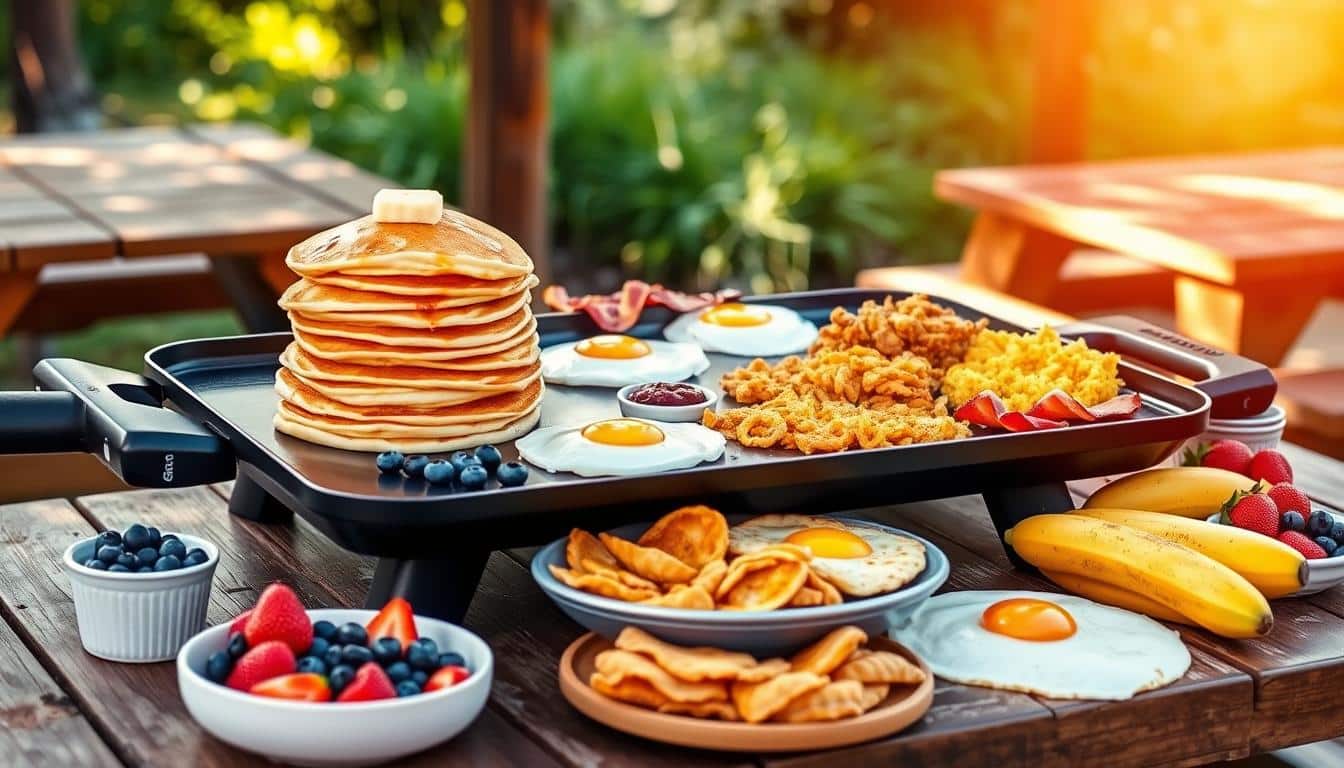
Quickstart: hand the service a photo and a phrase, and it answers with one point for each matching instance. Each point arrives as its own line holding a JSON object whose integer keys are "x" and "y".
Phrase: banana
{"x": 1105, "y": 593}
{"x": 1192, "y": 584}
{"x": 1273, "y": 567}
{"x": 411, "y": 206}
{"x": 1185, "y": 491}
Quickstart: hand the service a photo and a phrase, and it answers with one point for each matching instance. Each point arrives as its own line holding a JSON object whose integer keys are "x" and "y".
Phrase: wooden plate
{"x": 905, "y": 705}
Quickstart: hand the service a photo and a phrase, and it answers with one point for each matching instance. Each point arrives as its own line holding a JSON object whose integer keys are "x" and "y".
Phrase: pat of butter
{"x": 408, "y": 206}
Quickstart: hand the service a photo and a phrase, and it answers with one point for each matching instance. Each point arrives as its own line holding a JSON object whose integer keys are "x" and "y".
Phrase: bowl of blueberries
{"x": 460, "y": 471}
{"x": 139, "y": 594}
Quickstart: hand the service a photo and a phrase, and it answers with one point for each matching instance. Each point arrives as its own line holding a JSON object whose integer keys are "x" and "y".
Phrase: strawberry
{"x": 265, "y": 661}
{"x": 447, "y": 677}
{"x": 1299, "y": 541}
{"x": 369, "y": 684}
{"x": 300, "y": 686}
{"x": 1232, "y": 455}
{"x": 1289, "y": 499}
{"x": 279, "y": 615}
{"x": 395, "y": 620}
{"x": 1253, "y": 512}
{"x": 240, "y": 622}
{"x": 1270, "y": 466}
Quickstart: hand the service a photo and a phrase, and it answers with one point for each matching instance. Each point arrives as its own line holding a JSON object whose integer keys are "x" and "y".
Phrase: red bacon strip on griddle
{"x": 1059, "y": 405}
{"x": 1056, "y": 409}
{"x": 988, "y": 410}
{"x": 619, "y": 311}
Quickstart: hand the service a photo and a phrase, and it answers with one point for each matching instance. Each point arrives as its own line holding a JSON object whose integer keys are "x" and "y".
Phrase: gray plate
{"x": 764, "y": 633}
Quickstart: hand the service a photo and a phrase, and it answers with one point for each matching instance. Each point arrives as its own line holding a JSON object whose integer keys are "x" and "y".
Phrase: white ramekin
{"x": 139, "y": 617}
{"x": 1260, "y": 432}
{"x": 668, "y": 413}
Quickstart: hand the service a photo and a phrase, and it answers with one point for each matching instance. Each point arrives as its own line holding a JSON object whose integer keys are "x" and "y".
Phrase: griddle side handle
{"x": 1238, "y": 386}
{"x": 40, "y": 422}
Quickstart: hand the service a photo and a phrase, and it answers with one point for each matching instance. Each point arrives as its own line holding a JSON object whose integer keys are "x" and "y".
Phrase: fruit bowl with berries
{"x": 333, "y": 686}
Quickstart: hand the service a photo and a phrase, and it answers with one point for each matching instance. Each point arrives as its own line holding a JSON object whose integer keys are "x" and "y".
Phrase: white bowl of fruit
{"x": 333, "y": 687}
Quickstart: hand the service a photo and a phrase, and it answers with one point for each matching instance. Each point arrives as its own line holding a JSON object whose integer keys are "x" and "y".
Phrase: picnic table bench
{"x": 61, "y": 706}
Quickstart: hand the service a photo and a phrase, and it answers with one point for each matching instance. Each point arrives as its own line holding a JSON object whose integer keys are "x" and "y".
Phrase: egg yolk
{"x": 625, "y": 433}
{"x": 830, "y": 542}
{"x": 735, "y": 315}
{"x": 1027, "y": 618}
{"x": 612, "y": 347}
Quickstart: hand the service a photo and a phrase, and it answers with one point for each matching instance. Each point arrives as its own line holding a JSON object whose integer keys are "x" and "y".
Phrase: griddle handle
{"x": 1238, "y": 386}
{"x": 40, "y": 422}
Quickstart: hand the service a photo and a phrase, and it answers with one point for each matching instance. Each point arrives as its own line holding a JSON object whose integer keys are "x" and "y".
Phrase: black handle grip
{"x": 1238, "y": 386}
{"x": 41, "y": 422}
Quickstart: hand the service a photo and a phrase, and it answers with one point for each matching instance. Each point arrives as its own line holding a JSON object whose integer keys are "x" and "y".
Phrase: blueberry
{"x": 414, "y": 466}
{"x": 420, "y": 677}
{"x": 128, "y": 560}
{"x": 440, "y": 472}
{"x": 118, "y": 568}
{"x": 195, "y": 557}
{"x": 146, "y": 556}
{"x": 171, "y": 537}
{"x": 398, "y": 671}
{"x": 389, "y": 462}
{"x": 333, "y": 655}
{"x": 144, "y": 569}
{"x": 473, "y": 477}
{"x": 237, "y": 645}
{"x": 1320, "y": 523}
{"x": 218, "y": 666}
{"x": 173, "y": 547}
{"x": 356, "y": 655}
{"x": 386, "y": 650}
{"x": 512, "y": 473}
{"x": 1292, "y": 521}
{"x": 489, "y": 457}
{"x": 155, "y": 538}
{"x": 313, "y": 664}
{"x": 136, "y": 536}
{"x": 340, "y": 677}
{"x": 109, "y": 554}
{"x": 323, "y": 628}
{"x": 431, "y": 647}
{"x": 1328, "y": 544}
{"x": 1337, "y": 531}
{"x": 95, "y": 564}
{"x": 407, "y": 688}
{"x": 169, "y": 563}
{"x": 107, "y": 539}
{"x": 352, "y": 633}
{"x": 461, "y": 459}
{"x": 420, "y": 658}
{"x": 451, "y": 659}
{"x": 318, "y": 647}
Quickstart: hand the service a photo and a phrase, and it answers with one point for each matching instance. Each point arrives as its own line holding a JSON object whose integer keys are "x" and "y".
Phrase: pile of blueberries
{"x": 1321, "y": 526}
{"x": 468, "y": 471}
{"x": 142, "y": 549}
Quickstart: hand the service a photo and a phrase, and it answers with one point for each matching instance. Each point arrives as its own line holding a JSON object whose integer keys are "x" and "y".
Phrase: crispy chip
{"x": 720, "y": 710}
{"x": 833, "y": 701}
{"x": 874, "y": 695}
{"x": 830, "y": 595}
{"x": 692, "y": 597}
{"x": 756, "y": 702}
{"x": 739, "y": 569}
{"x": 710, "y": 576}
{"x": 879, "y": 667}
{"x": 630, "y": 690}
{"x": 694, "y": 535}
{"x": 806, "y": 597}
{"x": 830, "y": 651}
{"x": 601, "y": 585}
{"x": 619, "y": 665}
{"x": 690, "y": 664}
{"x": 647, "y": 562}
{"x": 586, "y": 554}
{"x": 770, "y": 668}
{"x": 766, "y": 589}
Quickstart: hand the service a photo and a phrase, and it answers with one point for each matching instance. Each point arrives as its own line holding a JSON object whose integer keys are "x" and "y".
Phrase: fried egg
{"x": 859, "y": 560}
{"x": 1055, "y": 645}
{"x": 614, "y": 360}
{"x": 620, "y": 447}
{"x": 746, "y": 330}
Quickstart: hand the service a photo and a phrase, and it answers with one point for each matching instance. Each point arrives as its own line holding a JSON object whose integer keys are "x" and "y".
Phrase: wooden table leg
{"x": 1258, "y": 321}
{"x": 1015, "y": 258}
{"x": 242, "y": 279}
{"x": 275, "y": 272}
{"x": 16, "y": 288}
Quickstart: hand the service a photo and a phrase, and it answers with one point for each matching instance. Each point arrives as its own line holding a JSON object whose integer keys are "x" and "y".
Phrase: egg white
{"x": 666, "y": 361}
{"x": 565, "y": 449}
{"x": 1113, "y": 655}
{"x": 786, "y": 333}
{"x": 885, "y": 569}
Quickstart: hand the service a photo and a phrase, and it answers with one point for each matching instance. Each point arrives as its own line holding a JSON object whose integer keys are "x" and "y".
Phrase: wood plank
{"x": 1012, "y": 257}
{"x": 16, "y": 290}
{"x": 1259, "y": 321}
{"x": 1317, "y": 474}
{"x": 34, "y": 243}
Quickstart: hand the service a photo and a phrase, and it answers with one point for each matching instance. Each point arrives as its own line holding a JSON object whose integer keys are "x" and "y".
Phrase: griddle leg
{"x": 251, "y": 502}
{"x": 441, "y": 589}
{"x": 1010, "y": 506}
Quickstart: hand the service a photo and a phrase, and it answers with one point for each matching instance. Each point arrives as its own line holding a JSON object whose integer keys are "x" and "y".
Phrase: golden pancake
{"x": 307, "y": 297}
{"x": 476, "y": 314}
{"x": 519, "y": 349}
{"x": 311, "y": 369}
{"x": 412, "y": 397}
{"x": 352, "y": 428}
{"x": 447, "y": 286}
{"x": 285, "y": 423}
{"x": 508, "y": 405}
{"x": 454, "y": 337}
{"x": 456, "y": 245}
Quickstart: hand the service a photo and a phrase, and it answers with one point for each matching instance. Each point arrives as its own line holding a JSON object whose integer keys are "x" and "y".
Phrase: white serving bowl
{"x": 330, "y": 733}
{"x": 139, "y": 617}
{"x": 1322, "y": 573}
{"x": 669, "y": 413}
{"x": 1260, "y": 432}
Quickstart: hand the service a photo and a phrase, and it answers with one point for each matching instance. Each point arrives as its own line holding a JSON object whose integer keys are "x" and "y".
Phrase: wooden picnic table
{"x": 1256, "y": 241}
{"x": 61, "y": 706}
{"x": 240, "y": 194}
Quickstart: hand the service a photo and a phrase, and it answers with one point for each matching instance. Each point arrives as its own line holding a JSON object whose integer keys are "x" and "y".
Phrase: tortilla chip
{"x": 691, "y": 598}
{"x": 756, "y": 702}
{"x": 879, "y": 667}
{"x": 586, "y": 554}
{"x": 874, "y": 695}
{"x": 720, "y": 710}
{"x": 601, "y": 585}
{"x": 618, "y": 665}
{"x": 647, "y": 562}
{"x": 806, "y": 597}
{"x": 694, "y": 535}
{"x": 770, "y": 668}
{"x": 766, "y": 589}
{"x": 833, "y": 701}
{"x": 689, "y": 664}
{"x": 631, "y": 690}
{"x": 830, "y": 595}
{"x": 830, "y": 651}
{"x": 710, "y": 576}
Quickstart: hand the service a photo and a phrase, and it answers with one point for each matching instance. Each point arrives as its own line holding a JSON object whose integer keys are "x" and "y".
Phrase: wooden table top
{"x": 214, "y": 189}
{"x": 1225, "y": 218}
{"x": 61, "y": 706}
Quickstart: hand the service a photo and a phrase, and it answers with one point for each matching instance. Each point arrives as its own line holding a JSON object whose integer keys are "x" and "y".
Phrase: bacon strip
{"x": 1056, "y": 409}
{"x": 1057, "y": 404}
{"x": 619, "y": 311}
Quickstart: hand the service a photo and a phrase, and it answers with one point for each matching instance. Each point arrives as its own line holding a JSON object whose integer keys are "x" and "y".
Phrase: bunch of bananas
{"x": 1141, "y": 543}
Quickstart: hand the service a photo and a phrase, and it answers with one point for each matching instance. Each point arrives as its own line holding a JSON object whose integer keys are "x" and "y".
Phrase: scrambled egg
{"x": 1021, "y": 368}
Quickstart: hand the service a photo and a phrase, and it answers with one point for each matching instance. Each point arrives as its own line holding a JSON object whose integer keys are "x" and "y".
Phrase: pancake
{"x": 290, "y": 421}
{"x": 457, "y": 337}
{"x": 456, "y": 245}
{"x": 309, "y": 368}
{"x": 431, "y": 319}
{"x": 439, "y": 286}
{"x": 365, "y": 395}
{"x": 508, "y": 405}
{"x": 309, "y": 298}
{"x": 521, "y": 349}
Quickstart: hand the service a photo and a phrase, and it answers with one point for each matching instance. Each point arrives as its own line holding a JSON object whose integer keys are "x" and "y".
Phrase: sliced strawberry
{"x": 369, "y": 684}
{"x": 240, "y": 622}
{"x": 300, "y": 686}
{"x": 279, "y": 615}
{"x": 395, "y": 620}
{"x": 447, "y": 677}
{"x": 1271, "y": 466}
{"x": 1299, "y": 541}
{"x": 265, "y": 661}
{"x": 1290, "y": 499}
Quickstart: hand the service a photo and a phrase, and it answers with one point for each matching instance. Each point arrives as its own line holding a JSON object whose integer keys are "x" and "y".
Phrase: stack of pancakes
{"x": 409, "y": 337}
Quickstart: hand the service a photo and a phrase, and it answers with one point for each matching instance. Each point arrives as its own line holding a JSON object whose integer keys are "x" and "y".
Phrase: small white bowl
{"x": 139, "y": 617}
{"x": 1322, "y": 573}
{"x": 669, "y": 413}
{"x": 1260, "y": 432}
{"x": 329, "y": 733}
